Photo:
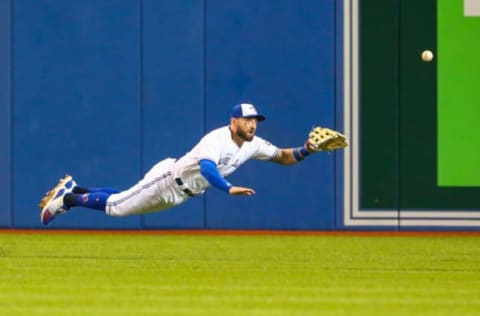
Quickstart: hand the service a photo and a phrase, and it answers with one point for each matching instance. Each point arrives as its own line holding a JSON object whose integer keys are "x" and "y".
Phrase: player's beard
{"x": 243, "y": 135}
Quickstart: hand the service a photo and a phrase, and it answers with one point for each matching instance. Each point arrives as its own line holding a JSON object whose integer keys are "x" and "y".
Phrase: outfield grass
{"x": 137, "y": 274}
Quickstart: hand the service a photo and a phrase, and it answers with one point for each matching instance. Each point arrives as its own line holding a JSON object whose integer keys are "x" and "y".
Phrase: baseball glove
{"x": 325, "y": 139}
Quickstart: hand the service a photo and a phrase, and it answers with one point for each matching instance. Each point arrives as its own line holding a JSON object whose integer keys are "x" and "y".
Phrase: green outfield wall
{"x": 419, "y": 140}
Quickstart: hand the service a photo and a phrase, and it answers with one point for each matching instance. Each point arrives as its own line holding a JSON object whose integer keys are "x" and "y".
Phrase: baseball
{"x": 427, "y": 55}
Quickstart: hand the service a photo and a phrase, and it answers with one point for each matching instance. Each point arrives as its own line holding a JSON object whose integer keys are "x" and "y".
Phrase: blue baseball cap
{"x": 246, "y": 110}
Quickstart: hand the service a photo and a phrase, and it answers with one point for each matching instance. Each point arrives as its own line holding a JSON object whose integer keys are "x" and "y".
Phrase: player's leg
{"x": 153, "y": 193}
{"x": 148, "y": 195}
{"x": 89, "y": 197}
{"x": 96, "y": 200}
{"x": 157, "y": 191}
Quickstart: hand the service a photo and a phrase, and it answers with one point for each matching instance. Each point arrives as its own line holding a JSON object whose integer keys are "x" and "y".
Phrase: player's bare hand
{"x": 241, "y": 191}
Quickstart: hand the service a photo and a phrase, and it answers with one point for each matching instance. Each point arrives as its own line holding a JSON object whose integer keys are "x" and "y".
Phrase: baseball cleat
{"x": 52, "y": 204}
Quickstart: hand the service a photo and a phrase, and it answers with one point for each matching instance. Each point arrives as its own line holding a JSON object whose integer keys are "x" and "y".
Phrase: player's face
{"x": 246, "y": 127}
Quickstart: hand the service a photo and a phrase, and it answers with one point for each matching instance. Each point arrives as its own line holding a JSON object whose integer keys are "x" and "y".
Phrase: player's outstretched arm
{"x": 290, "y": 156}
{"x": 209, "y": 170}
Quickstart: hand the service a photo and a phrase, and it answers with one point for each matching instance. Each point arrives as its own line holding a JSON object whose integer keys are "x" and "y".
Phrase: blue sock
{"x": 96, "y": 201}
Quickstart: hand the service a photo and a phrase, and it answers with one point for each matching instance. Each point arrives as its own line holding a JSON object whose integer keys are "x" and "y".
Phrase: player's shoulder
{"x": 260, "y": 141}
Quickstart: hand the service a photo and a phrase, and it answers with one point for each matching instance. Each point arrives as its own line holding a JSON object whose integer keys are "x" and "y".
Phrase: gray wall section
{"x": 103, "y": 90}
{"x": 5, "y": 114}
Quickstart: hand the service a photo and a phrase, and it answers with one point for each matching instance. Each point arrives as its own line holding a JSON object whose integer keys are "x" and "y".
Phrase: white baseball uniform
{"x": 171, "y": 182}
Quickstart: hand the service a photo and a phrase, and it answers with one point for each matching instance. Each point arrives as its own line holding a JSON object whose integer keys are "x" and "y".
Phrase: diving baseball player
{"x": 173, "y": 181}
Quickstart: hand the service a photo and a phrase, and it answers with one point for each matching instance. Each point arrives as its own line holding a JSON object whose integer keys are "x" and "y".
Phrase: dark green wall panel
{"x": 379, "y": 76}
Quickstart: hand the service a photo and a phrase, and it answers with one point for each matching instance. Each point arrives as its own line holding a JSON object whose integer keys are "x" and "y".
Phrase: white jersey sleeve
{"x": 265, "y": 150}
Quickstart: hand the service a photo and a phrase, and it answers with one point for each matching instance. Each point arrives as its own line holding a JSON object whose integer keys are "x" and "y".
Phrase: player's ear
{"x": 233, "y": 124}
